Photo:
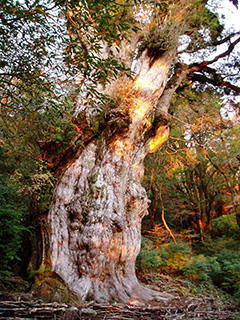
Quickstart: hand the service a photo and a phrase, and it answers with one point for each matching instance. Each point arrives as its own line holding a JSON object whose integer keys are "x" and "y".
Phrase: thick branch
{"x": 226, "y": 39}
{"x": 164, "y": 101}
{"x": 198, "y": 67}
{"x": 214, "y": 81}
{"x": 181, "y": 73}
{"x": 210, "y": 44}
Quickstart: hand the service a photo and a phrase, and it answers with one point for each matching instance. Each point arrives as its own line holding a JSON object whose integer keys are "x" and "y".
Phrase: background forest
{"x": 192, "y": 231}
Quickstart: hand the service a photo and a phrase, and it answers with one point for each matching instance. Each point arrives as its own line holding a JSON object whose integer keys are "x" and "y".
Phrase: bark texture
{"x": 99, "y": 204}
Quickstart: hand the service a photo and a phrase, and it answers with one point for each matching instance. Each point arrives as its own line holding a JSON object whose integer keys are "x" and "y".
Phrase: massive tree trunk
{"x": 99, "y": 202}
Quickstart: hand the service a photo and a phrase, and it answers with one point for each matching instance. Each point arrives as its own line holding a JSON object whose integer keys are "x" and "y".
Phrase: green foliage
{"x": 169, "y": 258}
{"x": 12, "y": 226}
{"x": 38, "y": 186}
{"x": 198, "y": 268}
{"x": 203, "y": 25}
{"x": 221, "y": 267}
{"x": 228, "y": 275}
{"x": 161, "y": 38}
{"x": 37, "y": 95}
{"x": 198, "y": 166}
{"x": 46, "y": 44}
{"x": 225, "y": 226}
{"x": 199, "y": 23}
{"x": 177, "y": 256}
{"x": 150, "y": 258}
{"x": 30, "y": 47}
{"x": 30, "y": 142}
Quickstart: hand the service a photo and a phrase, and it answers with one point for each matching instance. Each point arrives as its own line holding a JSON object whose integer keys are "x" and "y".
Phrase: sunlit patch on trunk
{"x": 145, "y": 83}
{"x": 159, "y": 139}
{"x": 140, "y": 108}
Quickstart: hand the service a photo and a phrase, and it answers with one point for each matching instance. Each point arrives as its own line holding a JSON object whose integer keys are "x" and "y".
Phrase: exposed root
{"x": 145, "y": 295}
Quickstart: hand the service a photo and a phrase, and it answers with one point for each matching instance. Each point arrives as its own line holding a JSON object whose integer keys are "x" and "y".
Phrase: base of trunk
{"x": 96, "y": 225}
{"x": 125, "y": 290}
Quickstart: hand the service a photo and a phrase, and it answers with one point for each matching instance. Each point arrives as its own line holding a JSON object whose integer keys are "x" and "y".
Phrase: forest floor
{"x": 190, "y": 302}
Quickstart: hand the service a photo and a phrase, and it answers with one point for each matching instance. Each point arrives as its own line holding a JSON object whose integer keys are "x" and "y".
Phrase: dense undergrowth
{"x": 213, "y": 263}
{"x": 13, "y": 210}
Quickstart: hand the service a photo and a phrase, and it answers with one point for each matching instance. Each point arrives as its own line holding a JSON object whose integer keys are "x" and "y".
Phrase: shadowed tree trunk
{"x": 99, "y": 204}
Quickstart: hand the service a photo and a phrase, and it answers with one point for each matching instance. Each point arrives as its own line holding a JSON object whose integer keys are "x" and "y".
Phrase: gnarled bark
{"x": 99, "y": 204}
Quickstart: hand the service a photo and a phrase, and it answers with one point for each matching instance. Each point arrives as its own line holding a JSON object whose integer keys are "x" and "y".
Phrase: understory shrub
{"x": 168, "y": 258}
{"x": 225, "y": 226}
{"x": 199, "y": 268}
{"x": 221, "y": 268}
{"x": 11, "y": 225}
{"x": 177, "y": 256}
{"x": 228, "y": 275}
{"x": 150, "y": 259}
